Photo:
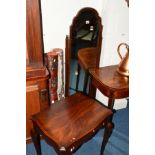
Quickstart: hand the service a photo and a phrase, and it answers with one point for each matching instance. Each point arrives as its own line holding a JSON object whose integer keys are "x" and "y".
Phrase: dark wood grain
{"x": 67, "y": 65}
{"x": 36, "y": 73}
{"x": 109, "y": 82}
{"x": 33, "y": 73}
{"x": 34, "y": 37}
{"x": 68, "y": 122}
{"x": 36, "y": 137}
{"x": 36, "y": 98}
{"x": 87, "y": 58}
{"x": 32, "y": 105}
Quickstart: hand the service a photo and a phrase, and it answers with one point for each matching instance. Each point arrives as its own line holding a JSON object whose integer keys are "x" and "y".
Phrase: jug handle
{"x": 118, "y": 49}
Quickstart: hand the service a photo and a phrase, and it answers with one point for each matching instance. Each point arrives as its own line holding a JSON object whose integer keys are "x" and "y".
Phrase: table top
{"x": 70, "y": 120}
{"x": 87, "y": 57}
{"x": 110, "y": 82}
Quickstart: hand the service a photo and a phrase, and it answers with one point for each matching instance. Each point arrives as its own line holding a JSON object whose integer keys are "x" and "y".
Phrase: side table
{"x": 110, "y": 83}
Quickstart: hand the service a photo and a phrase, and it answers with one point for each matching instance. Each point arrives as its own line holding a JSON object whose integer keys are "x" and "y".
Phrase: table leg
{"x": 107, "y": 134}
{"x": 92, "y": 89}
{"x": 110, "y": 103}
{"x": 108, "y": 128}
{"x": 110, "y": 106}
{"x": 85, "y": 81}
{"x": 36, "y": 141}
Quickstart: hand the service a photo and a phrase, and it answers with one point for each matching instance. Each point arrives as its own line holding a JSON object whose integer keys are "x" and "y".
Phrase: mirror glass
{"x": 85, "y": 31}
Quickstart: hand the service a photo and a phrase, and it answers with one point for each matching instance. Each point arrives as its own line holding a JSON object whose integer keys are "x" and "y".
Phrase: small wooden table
{"x": 110, "y": 83}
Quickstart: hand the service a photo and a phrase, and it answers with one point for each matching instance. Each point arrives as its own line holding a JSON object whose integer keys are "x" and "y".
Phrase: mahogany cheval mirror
{"x": 85, "y": 32}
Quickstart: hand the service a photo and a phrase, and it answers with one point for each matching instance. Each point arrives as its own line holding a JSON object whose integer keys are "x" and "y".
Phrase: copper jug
{"x": 123, "y": 67}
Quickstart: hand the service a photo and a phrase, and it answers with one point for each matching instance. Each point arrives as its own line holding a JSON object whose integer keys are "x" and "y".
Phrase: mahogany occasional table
{"x": 110, "y": 83}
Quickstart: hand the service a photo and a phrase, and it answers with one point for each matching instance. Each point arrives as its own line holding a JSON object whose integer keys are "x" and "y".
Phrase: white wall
{"x": 57, "y": 17}
{"x": 116, "y": 30}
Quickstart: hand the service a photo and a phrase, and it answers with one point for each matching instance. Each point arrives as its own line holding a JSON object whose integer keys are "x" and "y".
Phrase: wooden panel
{"x": 27, "y": 57}
{"x": 34, "y": 38}
{"x": 32, "y": 105}
{"x": 36, "y": 72}
{"x": 44, "y": 97}
{"x": 36, "y": 93}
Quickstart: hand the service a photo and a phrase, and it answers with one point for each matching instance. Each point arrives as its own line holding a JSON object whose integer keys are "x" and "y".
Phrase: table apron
{"x": 111, "y": 92}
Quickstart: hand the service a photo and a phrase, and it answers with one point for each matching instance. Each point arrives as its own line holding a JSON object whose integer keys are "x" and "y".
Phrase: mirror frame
{"x": 69, "y": 41}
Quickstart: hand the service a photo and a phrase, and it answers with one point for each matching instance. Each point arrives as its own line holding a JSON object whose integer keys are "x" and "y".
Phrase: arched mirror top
{"x": 86, "y": 22}
{"x": 86, "y": 16}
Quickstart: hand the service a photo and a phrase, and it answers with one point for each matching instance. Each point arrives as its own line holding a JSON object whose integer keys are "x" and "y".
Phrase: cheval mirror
{"x": 85, "y": 32}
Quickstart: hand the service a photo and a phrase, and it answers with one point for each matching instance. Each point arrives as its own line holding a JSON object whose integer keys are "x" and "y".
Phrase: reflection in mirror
{"x": 85, "y": 32}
